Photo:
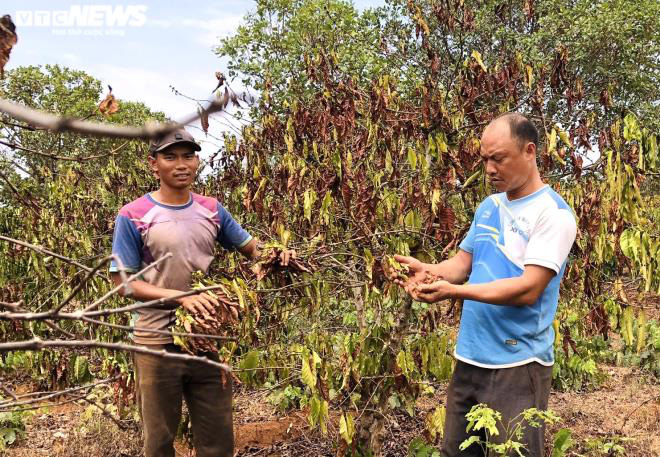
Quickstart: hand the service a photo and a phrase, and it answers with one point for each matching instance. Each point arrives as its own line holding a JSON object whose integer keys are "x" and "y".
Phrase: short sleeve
{"x": 127, "y": 245}
{"x": 467, "y": 244}
{"x": 231, "y": 235}
{"x": 551, "y": 239}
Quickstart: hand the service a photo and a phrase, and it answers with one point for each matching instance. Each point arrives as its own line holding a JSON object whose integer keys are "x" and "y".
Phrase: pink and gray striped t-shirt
{"x": 146, "y": 230}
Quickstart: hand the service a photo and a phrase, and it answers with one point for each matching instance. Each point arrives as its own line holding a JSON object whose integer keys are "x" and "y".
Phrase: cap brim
{"x": 195, "y": 146}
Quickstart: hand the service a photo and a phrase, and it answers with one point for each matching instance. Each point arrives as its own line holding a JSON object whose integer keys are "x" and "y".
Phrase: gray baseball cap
{"x": 174, "y": 137}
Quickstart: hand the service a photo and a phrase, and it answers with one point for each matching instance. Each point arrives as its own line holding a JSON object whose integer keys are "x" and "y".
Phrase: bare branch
{"x": 29, "y": 316}
{"x": 56, "y": 157}
{"x": 79, "y": 287}
{"x": 45, "y": 251}
{"x": 11, "y": 306}
{"x": 148, "y": 304}
{"x": 20, "y": 402}
{"x": 50, "y": 324}
{"x": 106, "y": 413}
{"x": 27, "y": 203}
{"x": 132, "y": 328}
{"x": 148, "y": 131}
{"x": 8, "y": 391}
{"x": 37, "y": 344}
{"x": 125, "y": 283}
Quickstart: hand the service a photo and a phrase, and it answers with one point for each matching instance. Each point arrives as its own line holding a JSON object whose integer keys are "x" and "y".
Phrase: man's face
{"x": 176, "y": 166}
{"x": 508, "y": 162}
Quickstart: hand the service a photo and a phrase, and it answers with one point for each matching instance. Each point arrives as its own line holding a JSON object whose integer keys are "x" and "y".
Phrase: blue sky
{"x": 163, "y": 44}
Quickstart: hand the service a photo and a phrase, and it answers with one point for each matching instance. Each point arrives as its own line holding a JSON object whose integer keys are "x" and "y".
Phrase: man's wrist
{"x": 177, "y": 300}
{"x": 456, "y": 290}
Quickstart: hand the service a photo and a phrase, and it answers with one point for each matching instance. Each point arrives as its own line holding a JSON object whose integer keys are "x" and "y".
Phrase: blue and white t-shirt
{"x": 538, "y": 229}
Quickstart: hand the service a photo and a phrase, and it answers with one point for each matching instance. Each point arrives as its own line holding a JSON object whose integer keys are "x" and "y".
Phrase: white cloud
{"x": 70, "y": 58}
{"x": 209, "y": 31}
{"x": 159, "y": 23}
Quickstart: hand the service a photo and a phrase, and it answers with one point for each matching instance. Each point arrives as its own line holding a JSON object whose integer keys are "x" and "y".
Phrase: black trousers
{"x": 507, "y": 390}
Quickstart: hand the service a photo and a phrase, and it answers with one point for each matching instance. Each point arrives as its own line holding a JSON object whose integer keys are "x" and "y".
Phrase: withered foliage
{"x": 8, "y": 39}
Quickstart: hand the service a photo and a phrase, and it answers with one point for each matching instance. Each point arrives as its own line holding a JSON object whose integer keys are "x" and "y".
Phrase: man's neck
{"x": 529, "y": 187}
{"x": 172, "y": 196}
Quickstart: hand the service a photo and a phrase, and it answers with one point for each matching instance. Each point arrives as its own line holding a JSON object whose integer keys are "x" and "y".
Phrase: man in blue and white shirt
{"x": 514, "y": 257}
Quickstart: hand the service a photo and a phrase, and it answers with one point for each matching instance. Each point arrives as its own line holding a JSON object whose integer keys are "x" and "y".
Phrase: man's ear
{"x": 153, "y": 164}
{"x": 530, "y": 151}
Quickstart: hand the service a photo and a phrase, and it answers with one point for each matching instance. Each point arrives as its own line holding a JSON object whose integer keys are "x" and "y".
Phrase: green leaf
{"x": 412, "y": 158}
{"x": 401, "y": 362}
{"x": 314, "y": 411}
{"x": 309, "y": 200}
{"x": 326, "y": 204}
{"x": 472, "y": 178}
{"x": 552, "y": 140}
{"x": 308, "y": 376}
{"x": 323, "y": 416}
{"x": 477, "y": 56}
{"x": 563, "y": 442}
{"x": 530, "y": 76}
{"x": 641, "y": 331}
{"x": 627, "y": 326}
{"x": 468, "y": 442}
{"x": 435, "y": 422}
{"x": 251, "y": 360}
{"x": 8, "y": 435}
{"x": 81, "y": 368}
{"x": 347, "y": 427}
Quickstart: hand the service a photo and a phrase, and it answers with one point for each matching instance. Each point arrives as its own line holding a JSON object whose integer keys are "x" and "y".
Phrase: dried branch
{"x": 37, "y": 344}
{"x": 125, "y": 284}
{"x": 56, "y": 157}
{"x": 132, "y": 328}
{"x": 106, "y": 413}
{"x": 45, "y": 251}
{"x": 629, "y": 415}
{"x": 19, "y": 402}
{"x": 11, "y": 306}
{"x": 8, "y": 391}
{"x": 82, "y": 284}
{"x": 78, "y": 315}
{"x": 27, "y": 203}
{"x": 50, "y": 324}
{"x": 148, "y": 131}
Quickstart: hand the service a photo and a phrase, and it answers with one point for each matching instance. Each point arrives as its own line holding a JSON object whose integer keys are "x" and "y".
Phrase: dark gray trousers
{"x": 507, "y": 390}
{"x": 161, "y": 383}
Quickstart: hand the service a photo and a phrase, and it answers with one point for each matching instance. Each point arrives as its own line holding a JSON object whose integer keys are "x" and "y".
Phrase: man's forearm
{"x": 509, "y": 291}
{"x": 251, "y": 250}
{"x": 450, "y": 270}
{"x": 142, "y": 290}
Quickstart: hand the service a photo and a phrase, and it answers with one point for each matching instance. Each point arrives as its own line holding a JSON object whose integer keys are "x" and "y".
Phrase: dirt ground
{"x": 626, "y": 406}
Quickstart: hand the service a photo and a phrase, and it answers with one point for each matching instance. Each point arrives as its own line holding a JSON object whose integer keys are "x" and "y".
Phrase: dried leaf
{"x": 204, "y": 120}
{"x": 8, "y": 39}
{"x": 109, "y": 105}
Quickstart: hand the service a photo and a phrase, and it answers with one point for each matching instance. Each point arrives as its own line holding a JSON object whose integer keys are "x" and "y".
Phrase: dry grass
{"x": 622, "y": 407}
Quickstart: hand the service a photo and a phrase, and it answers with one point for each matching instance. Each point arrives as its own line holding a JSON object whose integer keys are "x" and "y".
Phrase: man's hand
{"x": 431, "y": 293}
{"x": 286, "y": 255}
{"x": 417, "y": 271}
{"x": 202, "y": 303}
